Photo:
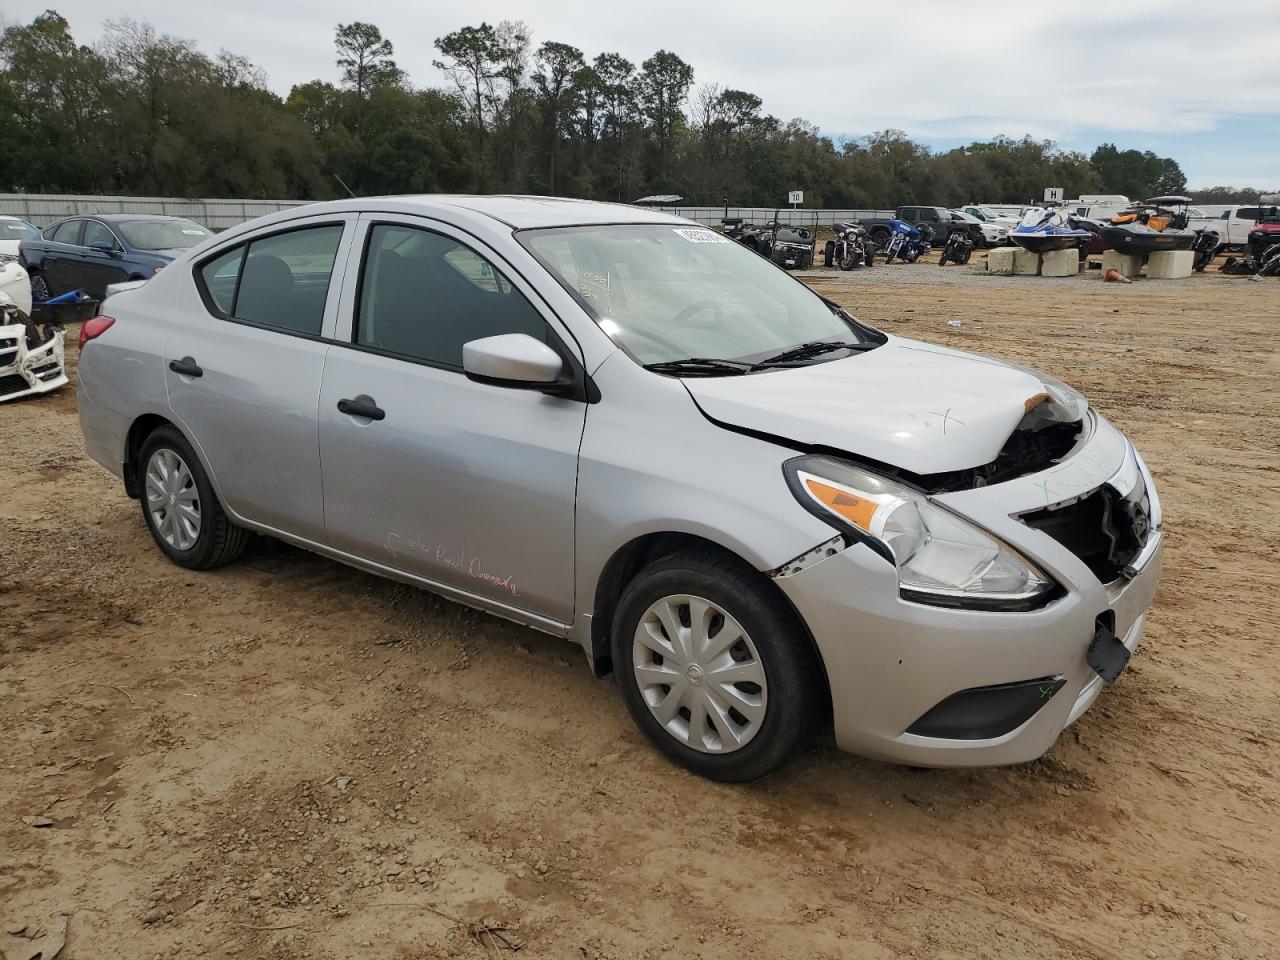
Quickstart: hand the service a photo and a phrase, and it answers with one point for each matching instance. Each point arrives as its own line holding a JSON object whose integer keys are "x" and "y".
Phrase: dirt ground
{"x": 288, "y": 758}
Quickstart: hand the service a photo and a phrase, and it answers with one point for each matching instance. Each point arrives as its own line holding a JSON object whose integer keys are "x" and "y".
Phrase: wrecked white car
{"x": 31, "y": 354}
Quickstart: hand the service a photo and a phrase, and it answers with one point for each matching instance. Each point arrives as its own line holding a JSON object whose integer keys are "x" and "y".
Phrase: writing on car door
{"x": 466, "y": 485}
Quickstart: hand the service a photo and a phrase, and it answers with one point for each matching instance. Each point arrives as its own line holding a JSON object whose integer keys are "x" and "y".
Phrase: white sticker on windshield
{"x": 696, "y": 235}
{"x": 193, "y": 233}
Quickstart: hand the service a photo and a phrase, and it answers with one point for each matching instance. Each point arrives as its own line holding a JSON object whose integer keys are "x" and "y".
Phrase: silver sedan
{"x": 624, "y": 429}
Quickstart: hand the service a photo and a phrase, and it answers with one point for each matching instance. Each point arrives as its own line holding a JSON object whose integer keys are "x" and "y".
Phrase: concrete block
{"x": 1126, "y": 264}
{"x": 1060, "y": 263}
{"x": 1000, "y": 260}
{"x": 1170, "y": 264}
{"x": 1025, "y": 262}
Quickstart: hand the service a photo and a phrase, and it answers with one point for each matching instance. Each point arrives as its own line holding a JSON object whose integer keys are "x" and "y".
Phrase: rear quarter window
{"x": 218, "y": 280}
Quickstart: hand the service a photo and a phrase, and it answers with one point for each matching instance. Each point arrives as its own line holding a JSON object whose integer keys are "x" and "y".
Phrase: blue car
{"x": 87, "y": 253}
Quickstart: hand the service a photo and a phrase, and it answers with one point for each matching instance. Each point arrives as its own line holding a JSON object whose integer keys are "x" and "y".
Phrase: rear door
{"x": 1243, "y": 219}
{"x": 61, "y": 260}
{"x": 467, "y": 485}
{"x": 244, "y": 368}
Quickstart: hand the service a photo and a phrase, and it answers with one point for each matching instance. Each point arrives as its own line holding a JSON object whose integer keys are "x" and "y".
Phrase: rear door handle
{"x": 186, "y": 367}
{"x": 362, "y": 405}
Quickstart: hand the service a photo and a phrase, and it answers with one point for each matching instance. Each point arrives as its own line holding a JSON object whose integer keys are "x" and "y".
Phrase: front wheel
{"x": 713, "y": 666}
{"x": 180, "y": 508}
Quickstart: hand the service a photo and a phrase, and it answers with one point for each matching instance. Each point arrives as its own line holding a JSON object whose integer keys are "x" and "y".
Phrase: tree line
{"x": 145, "y": 114}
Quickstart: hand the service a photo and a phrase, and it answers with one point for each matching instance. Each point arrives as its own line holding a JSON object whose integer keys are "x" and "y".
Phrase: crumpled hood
{"x": 916, "y": 406}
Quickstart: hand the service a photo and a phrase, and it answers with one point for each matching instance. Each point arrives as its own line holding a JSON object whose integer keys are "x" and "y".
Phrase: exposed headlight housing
{"x": 942, "y": 559}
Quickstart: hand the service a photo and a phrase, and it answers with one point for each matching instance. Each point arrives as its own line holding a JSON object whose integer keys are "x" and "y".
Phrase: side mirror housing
{"x": 103, "y": 246}
{"x": 515, "y": 360}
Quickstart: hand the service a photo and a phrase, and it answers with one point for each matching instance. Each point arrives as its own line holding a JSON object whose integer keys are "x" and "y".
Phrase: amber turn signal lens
{"x": 853, "y": 508}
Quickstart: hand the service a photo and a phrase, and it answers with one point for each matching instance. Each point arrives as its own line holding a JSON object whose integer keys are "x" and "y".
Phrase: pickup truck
{"x": 1233, "y": 225}
{"x": 938, "y": 219}
{"x": 1266, "y": 232}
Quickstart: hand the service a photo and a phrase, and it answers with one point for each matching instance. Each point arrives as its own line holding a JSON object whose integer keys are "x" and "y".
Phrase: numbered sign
{"x": 795, "y": 197}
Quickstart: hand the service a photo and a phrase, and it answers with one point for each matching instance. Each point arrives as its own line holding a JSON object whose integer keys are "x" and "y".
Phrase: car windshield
{"x": 667, "y": 293}
{"x": 16, "y": 229}
{"x": 986, "y": 213}
{"x": 162, "y": 234}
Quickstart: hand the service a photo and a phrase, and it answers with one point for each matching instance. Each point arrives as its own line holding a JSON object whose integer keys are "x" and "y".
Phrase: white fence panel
{"x": 219, "y": 214}
{"x": 42, "y": 209}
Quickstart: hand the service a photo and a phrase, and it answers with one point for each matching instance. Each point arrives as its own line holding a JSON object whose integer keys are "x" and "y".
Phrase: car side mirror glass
{"x": 513, "y": 360}
{"x": 104, "y": 245}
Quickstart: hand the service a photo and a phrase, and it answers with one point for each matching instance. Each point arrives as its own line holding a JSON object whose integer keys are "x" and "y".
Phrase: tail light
{"x": 95, "y": 327}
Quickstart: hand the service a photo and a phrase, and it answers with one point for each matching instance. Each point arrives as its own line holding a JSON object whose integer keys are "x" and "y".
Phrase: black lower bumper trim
{"x": 1107, "y": 653}
{"x": 983, "y": 713}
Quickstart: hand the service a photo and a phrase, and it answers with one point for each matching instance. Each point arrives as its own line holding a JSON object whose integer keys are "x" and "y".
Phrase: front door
{"x": 100, "y": 260}
{"x": 244, "y": 372}
{"x": 467, "y": 485}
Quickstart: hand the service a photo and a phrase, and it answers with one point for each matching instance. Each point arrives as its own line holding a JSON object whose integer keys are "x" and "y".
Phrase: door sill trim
{"x": 483, "y": 604}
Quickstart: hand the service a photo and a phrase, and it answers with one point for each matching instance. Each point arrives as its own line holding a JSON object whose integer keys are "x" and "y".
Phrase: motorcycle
{"x": 791, "y": 248}
{"x": 908, "y": 241}
{"x": 958, "y": 249}
{"x": 1205, "y": 249}
{"x": 851, "y": 248}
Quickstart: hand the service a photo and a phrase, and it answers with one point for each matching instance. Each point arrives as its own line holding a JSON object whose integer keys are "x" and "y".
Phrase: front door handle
{"x": 362, "y": 406}
{"x": 186, "y": 367}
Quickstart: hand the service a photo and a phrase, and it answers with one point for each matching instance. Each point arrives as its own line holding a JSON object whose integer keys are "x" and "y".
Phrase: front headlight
{"x": 941, "y": 558}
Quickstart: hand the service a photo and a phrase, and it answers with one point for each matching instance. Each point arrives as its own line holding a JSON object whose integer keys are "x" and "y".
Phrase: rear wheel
{"x": 713, "y": 666}
{"x": 180, "y": 508}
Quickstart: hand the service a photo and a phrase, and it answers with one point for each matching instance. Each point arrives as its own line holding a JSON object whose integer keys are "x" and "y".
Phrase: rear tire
{"x": 695, "y": 720}
{"x": 180, "y": 508}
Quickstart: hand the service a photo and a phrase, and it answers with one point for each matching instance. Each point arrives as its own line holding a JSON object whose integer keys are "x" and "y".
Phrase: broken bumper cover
{"x": 24, "y": 371}
{"x": 942, "y": 687}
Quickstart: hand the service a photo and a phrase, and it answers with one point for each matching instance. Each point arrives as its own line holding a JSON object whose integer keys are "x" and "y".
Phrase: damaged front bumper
{"x": 940, "y": 687}
{"x": 26, "y": 370}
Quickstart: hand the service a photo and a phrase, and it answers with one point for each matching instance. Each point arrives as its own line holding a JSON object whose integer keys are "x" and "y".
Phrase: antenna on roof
{"x": 344, "y": 186}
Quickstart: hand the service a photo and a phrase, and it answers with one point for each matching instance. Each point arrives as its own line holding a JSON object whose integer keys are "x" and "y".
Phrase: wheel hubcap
{"x": 172, "y": 499}
{"x": 700, "y": 674}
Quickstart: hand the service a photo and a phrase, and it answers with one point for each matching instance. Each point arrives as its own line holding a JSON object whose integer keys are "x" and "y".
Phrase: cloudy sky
{"x": 1194, "y": 80}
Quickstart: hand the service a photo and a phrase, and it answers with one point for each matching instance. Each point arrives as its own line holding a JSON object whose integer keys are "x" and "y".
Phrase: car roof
{"x": 127, "y": 217}
{"x": 529, "y": 212}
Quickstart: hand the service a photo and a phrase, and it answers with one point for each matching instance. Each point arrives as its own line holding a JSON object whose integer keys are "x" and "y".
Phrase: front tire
{"x": 713, "y": 666}
{"x": 180, "y": 508}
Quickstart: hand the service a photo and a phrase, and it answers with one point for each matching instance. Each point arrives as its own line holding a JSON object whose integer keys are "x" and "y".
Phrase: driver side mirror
{"x": 105, "y": 246}
{"x": 514, "y": 360}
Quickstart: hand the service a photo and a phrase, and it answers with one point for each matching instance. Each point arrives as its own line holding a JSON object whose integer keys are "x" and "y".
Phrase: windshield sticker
{"x": 696, "y": 235}
{"x": 193, "y": 233}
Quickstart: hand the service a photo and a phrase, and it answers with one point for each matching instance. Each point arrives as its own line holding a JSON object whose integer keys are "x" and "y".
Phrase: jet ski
{"x": 1043, "y": 230}
{"x": 1151, "y": 226}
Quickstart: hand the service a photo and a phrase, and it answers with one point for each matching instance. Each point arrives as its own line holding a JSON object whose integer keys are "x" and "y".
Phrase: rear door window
{"x": 280, "y": 281}
{"x": 68, "y": 232}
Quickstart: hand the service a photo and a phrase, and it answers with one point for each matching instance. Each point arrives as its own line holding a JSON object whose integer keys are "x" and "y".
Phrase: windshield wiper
{"x": 706, "y": 366}
{"x": 814, "y": 348}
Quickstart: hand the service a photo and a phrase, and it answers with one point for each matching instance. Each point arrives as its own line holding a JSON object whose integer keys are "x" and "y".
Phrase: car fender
{"x": 652, "y": 463}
